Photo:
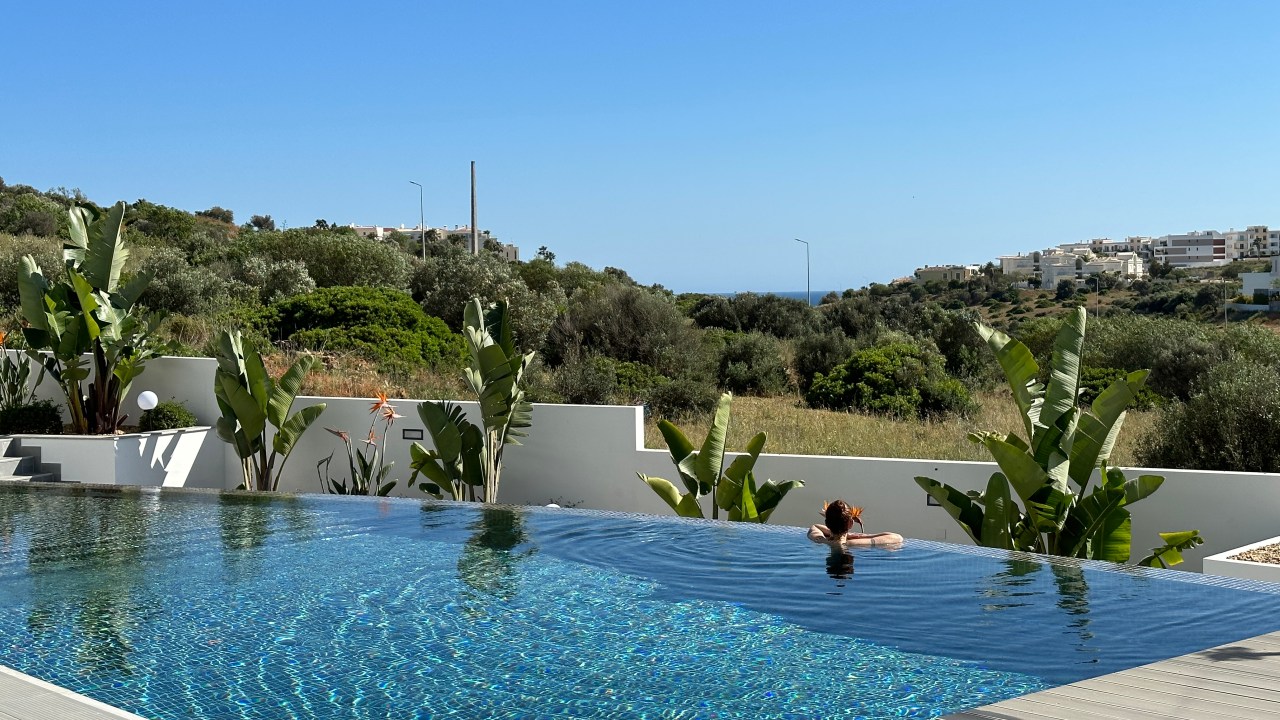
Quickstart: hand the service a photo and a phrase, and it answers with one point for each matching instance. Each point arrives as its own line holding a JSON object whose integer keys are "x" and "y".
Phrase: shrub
{"x": 819, "y": 353}
{"x": 382, "y": 324}
{"x": 1178, "y": 352}
{"x": 1231, "y": 422}
{"x": 168, "y": 415}
{"x": 897, "y": 378}
{"x": 41, "y": 417}
{"x": 682, "y": 397}
{"x": 274, "y": 281}
{"x": 177, "y": 287}
{"x": 446, "y": 283}
{"x": 46, "y": 251}
{"x": 589, "y": 381}
{"x": 333, "y": 259}
{"x": 632, "y": 324}
{"x": 751, "y": 364}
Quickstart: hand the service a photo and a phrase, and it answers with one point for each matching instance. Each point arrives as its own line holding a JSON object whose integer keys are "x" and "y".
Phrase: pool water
{"x": 184, "y": 605}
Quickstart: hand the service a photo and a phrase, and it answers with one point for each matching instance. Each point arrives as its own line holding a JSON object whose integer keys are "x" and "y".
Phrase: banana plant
{"x": 89, "y": 311}
{"x": 1051, "y": 470}
{"x": 495, "y": 373}
{"x": 250, "y": 400}
{"x": 733, "y": 489}
{"x": 454, "y": 465}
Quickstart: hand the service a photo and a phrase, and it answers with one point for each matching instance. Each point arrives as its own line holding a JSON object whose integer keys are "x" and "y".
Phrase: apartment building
{"x": 1194, "y": 249}
{"x": 1124, "y": 264}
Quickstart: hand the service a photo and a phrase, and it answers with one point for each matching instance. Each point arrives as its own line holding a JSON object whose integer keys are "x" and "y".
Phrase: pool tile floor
{"x": 1237, "y": 681}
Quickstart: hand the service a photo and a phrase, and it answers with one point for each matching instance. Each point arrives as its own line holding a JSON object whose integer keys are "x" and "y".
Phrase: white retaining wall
{"x": 588, "y": 456}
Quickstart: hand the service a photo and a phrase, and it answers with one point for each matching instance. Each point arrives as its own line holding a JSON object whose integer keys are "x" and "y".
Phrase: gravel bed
{"x": 1268, "y": 554}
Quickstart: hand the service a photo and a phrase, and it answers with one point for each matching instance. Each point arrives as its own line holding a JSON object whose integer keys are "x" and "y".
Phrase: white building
{"x": 1253, "y": 282}
{"x": 1057, "y": 265}
{"x": 1026, "y": 265}
{"x": 1124, "y": 264}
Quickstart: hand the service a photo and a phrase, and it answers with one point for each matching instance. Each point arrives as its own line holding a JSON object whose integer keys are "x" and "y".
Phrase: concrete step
{"x": 33, "y": 477}
{"x": 18, "y": 465}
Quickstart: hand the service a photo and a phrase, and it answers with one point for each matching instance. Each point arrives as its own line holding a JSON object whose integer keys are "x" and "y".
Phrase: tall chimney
{"x": 475, "y": 231}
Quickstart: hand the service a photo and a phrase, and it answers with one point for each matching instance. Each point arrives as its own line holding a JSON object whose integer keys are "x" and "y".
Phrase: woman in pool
{"x": 840, "y": 518}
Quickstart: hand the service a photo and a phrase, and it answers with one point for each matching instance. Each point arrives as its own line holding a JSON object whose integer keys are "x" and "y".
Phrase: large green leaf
{"x": 246, "y": 413}
{"x": 958, "y": 505}
{"x": 729, "y": 490}
{"x": 287, "y": 435}
{"x": 1064, "y": 375}
{"x": 444, "y": 422}
{"x": 682, "y": 451}
{"x": 105, "y": 252}
{"x": 286, "y": 390}
{"x": 1021, "y": 371}
{"x": 1097, "y": 431}
{"x": 998, "y": 510}
{"x": 685, "y": 505}
{"x": 32, "y": 290}
{"x": 710, "y": 459}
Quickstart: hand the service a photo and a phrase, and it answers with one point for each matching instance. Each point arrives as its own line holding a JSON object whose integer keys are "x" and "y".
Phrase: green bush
{"x": 42, "y": 417}
{"x": 590, "y": 381}
{"x": 1231, "y": 422}
{"x": 277, "y": 280}
{"x": 898, "y": 379}
{"x": 819, "y": 353}
{"x": 631, "y": 324}
{"x": 751, "y": 364}
{"x": 332, "y": 259}
{"x": 382, "y": 324}
{"x": 168, "y": 415}
{"x": 47, "y": 252}
{"x": 682, "y": 397}
{"x": 445, "y": 283}
{"x": 177, "y": 287}
{"x": 1178, "y": 352}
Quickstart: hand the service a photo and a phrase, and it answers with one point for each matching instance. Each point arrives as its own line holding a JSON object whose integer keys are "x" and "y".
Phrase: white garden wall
{"x": 588, "y": 456}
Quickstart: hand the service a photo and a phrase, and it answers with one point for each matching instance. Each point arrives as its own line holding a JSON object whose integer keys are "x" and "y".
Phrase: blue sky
{"x": 686, "y": 142}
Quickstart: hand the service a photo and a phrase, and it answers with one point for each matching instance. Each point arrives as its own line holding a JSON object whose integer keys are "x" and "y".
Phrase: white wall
{"x": 588, "y": 456}
{"x": 188, "y": 457}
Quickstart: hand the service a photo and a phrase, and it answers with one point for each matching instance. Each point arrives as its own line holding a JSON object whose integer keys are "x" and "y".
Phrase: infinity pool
{"x": 186, "y": 605}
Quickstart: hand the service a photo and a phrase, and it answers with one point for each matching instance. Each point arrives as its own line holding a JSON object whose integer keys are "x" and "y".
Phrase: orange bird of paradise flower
{"x": 379, "y": 403}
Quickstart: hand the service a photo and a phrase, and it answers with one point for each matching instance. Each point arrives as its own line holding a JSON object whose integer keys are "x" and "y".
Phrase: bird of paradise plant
{"x": 367, "y": 467}
{"x": 15, "y": 390}
{"x": 1051, "y": 468}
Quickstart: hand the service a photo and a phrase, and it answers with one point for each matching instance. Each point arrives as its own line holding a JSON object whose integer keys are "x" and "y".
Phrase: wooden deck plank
{"x": 23, "y": 697}
{"x": 1236, "y": 681}
{"x": 1164, "y": 688}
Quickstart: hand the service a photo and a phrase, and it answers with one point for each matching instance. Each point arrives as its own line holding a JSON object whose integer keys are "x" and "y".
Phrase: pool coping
{"x": 23, "y": 697}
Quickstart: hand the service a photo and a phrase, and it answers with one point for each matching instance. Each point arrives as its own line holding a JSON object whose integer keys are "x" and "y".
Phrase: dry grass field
{"x": 795, "y": 429}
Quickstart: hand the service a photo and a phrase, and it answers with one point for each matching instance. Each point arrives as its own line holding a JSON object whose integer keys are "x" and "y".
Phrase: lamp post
{"x": 1097, "y": 294}
{"x": 808, "y": 298}
{"x": 422, "y": 223}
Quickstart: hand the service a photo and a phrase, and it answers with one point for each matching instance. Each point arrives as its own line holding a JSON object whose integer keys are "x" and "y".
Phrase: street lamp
{"x": 1097, "y": 293}
{"x": 807, "y": 297}
{"x": 422, "y": 223}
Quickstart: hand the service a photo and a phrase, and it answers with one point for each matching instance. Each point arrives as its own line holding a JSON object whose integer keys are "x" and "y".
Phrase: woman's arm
{"x": 880, "y": 538}
{"x": 819, "y": 534}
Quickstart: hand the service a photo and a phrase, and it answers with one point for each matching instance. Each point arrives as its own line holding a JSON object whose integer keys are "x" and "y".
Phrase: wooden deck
{"x": 1239, "y": 681}
{"x": 23, "y": 697}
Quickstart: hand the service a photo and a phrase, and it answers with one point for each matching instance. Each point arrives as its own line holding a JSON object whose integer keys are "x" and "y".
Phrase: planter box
{"x": 1222, "y": 564}
{"x": 186, "y": 457}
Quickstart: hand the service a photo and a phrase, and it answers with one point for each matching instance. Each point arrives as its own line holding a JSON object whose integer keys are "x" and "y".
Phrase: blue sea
{"x": 815, "y": 295}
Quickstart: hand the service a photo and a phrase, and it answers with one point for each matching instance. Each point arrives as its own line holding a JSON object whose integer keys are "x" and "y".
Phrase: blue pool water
{"x": 229, "y": 606}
